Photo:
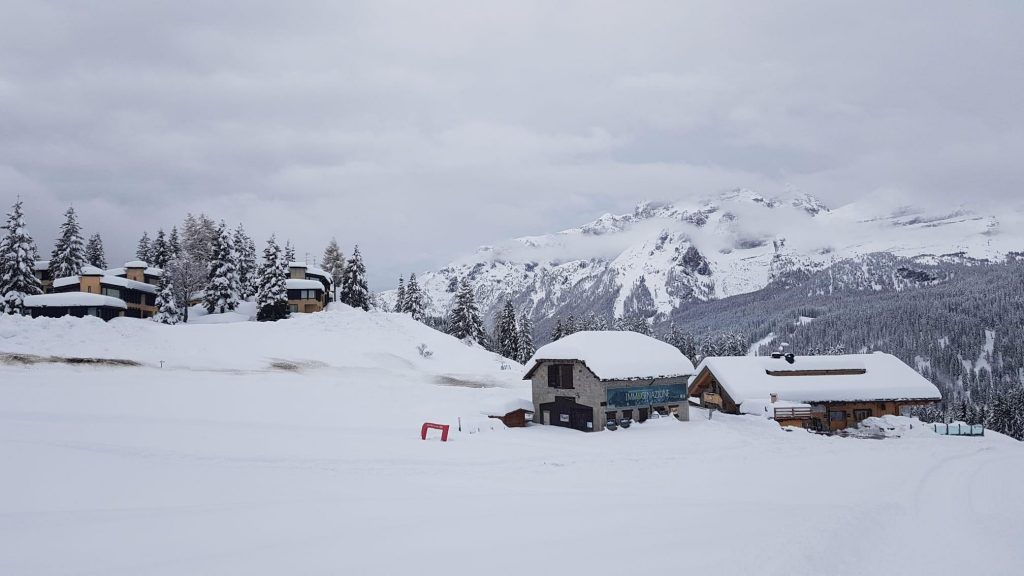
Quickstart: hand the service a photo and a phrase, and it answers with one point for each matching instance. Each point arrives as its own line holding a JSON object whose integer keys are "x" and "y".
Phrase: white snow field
{"x": 221, "y": 463}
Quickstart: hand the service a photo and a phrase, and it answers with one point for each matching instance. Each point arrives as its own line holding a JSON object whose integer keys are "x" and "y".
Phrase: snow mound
{"x": 891, "y": 427}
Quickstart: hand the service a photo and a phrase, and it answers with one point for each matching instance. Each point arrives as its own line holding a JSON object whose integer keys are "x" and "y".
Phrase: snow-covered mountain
{"x": 663, "y": 255}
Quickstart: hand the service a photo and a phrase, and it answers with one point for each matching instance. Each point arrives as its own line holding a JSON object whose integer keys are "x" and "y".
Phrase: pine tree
{"x": 159, "y": 251}
{"x": 506, "y": 333}
{"x": 289, "y": 252}
{"x": 142, "y": 250}
{"x": 173, "y": 244}
{"x": 414, "y": 303}
{"x": 245, "y": 251}
{"x": 222, "y": 276}
{"x": 526, "y": 348}
{"x": 334, "y": 263}
{"x": 558, "y": 331}
{"x": 400, "y": 296}
{"x": 94, "y": 252}
{"x": 167, "y": 310}
{"x": 464, "y": 322}
{"x": 272, "y": 295}
{"x": 68, "y": 255}
{"x": 17, "y": 259}
{"x": 354, "y": 291}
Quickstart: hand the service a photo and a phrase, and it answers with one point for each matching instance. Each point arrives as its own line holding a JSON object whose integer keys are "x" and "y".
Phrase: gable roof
{"x": 848, "y": 378}
{"x": 616, "y": 355}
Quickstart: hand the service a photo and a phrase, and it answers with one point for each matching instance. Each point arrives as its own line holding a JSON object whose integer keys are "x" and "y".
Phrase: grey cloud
{"x": 421, "y": 130}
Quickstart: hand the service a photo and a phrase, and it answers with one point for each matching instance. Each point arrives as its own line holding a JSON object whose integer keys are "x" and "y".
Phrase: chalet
{"x": 310, "y": 289}
{"x": 824, "y": 393}
{"x": 78, "y": 304}
{"x": 588, "y": 379}
{"x": 139, "y": 297}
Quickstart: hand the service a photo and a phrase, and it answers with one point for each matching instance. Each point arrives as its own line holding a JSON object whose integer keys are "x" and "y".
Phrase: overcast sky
{"x": 423, "y": 129}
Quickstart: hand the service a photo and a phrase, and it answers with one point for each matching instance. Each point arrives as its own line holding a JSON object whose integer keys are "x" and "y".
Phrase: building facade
{"x": 588, "y": 379}
{"x": 139, "y": 297}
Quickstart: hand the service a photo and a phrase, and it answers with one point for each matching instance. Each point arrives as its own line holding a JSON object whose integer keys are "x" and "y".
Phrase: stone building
{"x": 587, "y": 379}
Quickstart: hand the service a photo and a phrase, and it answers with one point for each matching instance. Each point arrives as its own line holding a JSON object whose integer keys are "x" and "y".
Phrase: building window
{"x": 859, "y": 415}
{"x": 836, "y": 415}
{"x": 560, "y": 376}
{"x": 113, "y": 292}
{"x": 293, "y": 308}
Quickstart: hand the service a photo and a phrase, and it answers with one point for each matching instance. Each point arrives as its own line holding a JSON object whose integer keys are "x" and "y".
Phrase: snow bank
{"x": 884, "y": 377}
{"x": 617, "y": 355}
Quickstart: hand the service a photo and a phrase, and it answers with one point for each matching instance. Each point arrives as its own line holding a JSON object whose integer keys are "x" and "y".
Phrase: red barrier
{"x": 431, "y": 426}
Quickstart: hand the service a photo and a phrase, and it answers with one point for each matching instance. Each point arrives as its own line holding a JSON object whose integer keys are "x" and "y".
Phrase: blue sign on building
{"x": 646, "y": 395}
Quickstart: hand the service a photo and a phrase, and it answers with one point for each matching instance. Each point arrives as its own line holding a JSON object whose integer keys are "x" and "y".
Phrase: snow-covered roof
{"x": 295, "y": 284}
{"x": 117, "y": 271}
{"x": 310, "y": 269}
{"x": 871, "y": 377}
{"x": 136, "y": 264}
{"x": 41, "y": 265}
{"x": 92, "y": 271}
{"x": 126, "y": 283}
{"x": 66, "y": 299}
{"x": 615, "y": 355}
{"x": 154, "y": 271}
{"x": 501, "y": 407}
{"x": 66, "y": 281}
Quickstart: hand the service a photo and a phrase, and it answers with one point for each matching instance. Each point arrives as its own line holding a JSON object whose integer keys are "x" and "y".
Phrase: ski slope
{"x": 293, "y": 448}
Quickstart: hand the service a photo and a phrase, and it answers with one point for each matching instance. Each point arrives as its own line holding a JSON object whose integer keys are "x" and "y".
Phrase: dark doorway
{"x": 642, "y": 415}
{"x": 565, "y": 412}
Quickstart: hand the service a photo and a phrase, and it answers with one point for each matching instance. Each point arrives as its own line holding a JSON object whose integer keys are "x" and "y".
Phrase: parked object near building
{"x": 586, "y": 379}
{"x": 78, "y": 304}
{"x": 139, "y": 297}
{"x": 818, "y": 392}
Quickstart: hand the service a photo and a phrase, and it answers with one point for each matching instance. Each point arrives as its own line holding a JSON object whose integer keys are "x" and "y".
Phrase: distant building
{"x": 139, "y": 297}
{"x": 587, "y": 379}
{"x": 512, "y": 413}
{"x": 138, "y": 271}
{"x": 310, "y": 289}
{"x": 818, "y": 392}
{"x": 41, "y": 270}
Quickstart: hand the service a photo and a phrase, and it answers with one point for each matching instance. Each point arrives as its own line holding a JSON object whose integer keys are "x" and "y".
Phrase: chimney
{"x": 775, "y": 397}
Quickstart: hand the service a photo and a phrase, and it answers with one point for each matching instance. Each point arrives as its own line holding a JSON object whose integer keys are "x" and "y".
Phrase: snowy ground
{"x": 222, "y": 463}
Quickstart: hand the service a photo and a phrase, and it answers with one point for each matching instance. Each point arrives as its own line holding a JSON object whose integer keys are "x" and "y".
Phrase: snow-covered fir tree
{"x": 464, "y": 320}
{"x": 68, "y": 254}
{"x": 222, "y": 275}
{"x": 173, "y": 244}
{"x": 167, "y": 310}
{"x": 17, "y": 258}
{"x": 526, "y": 347}
{"x": 245, "y": 256}
{"x": 159, "y": 251}
{"x": 334, "y": 263}
{"x": 198, "y": 233}
{"x": 289, "y": 251}
{"x": 354, "y": 291}
{"x": 506, "y": 333}
{"x": 142, "y": 249}
{"x": 414, "y": 303}
{"x": 94, "y": 252}
{"x": 272, "y": 295}
{"x": 400, "y": 296}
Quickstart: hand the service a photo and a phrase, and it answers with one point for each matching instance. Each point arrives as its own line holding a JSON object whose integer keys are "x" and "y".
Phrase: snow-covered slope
{"x": 294, "y": 448}
{"x": 731, "y": 244}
